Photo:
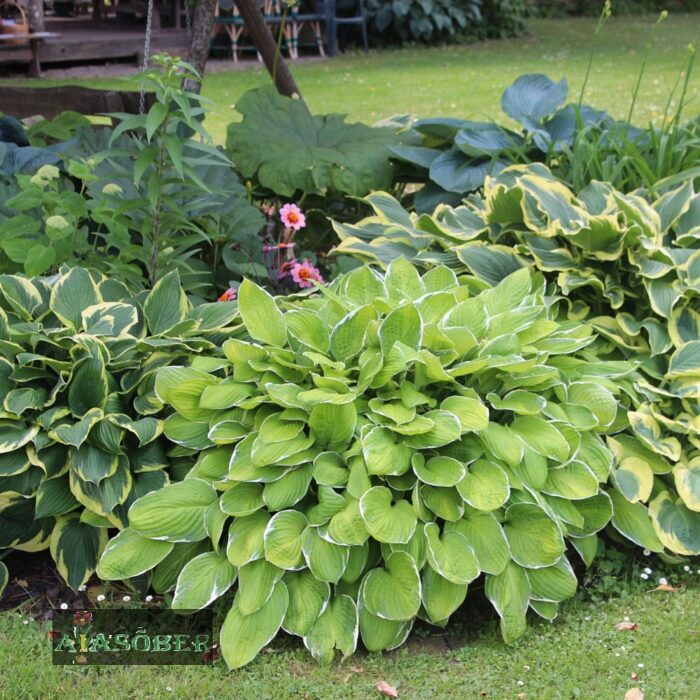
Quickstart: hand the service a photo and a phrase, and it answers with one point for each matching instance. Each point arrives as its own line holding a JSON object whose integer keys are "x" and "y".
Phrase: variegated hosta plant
{"x": 628, "y": 267}
{"x": 81, "y": 435}
{"x": 369, "y": 452}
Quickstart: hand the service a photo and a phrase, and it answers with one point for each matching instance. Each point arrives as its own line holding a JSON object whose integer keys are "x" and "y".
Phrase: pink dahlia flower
{"x": 292, "y": 217}
{"x": 229, "y": 295}
{"x": 304, "y": 272}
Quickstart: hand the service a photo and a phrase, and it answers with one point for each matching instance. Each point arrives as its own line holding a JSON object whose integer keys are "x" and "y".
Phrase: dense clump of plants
{"x": 82, "y": 432}
{"x": 365, "y": 454}
{"x": 627, "y": 267}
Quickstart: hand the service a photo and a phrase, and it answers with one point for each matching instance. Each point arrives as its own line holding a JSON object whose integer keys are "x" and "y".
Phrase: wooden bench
{"x": 34, "y": 39}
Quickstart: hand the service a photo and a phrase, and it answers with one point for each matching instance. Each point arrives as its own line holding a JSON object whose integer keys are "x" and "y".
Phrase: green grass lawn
{"x": 581, "y": 655}
{"x": 468, "y": 80}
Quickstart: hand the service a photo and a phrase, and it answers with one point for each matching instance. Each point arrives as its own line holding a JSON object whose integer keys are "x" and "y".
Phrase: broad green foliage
{"x": 367, "y": 453}
{"x": 580, "y": 144}
{"x": 81, "y": 426}
{"x": 629, "y": 268}
{"x": 289, "y": 150}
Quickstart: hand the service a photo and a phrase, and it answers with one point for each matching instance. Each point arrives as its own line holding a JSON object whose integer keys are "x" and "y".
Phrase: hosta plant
{"x": 630, "y": 268}
{"x": 368, "y": 452}
{"x": 82, "y": 435}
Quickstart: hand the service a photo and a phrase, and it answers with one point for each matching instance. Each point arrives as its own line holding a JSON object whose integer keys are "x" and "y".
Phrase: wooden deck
{"x": 81, "y": 40}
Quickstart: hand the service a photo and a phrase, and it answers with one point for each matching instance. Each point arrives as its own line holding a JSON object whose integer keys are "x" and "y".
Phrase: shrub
{"x": 82, "y": 434}
{"x": 367, "y": 453}
{"x": 628, "y": 268}
{"x": 579, "y": 143}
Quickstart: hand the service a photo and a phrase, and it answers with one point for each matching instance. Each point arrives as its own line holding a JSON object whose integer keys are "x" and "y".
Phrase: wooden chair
{"x": 311, "y": 15}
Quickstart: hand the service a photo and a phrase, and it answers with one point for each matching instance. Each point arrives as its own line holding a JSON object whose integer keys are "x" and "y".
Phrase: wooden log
{"x": 22, "y": 102}
{"x": 267, "y": 46}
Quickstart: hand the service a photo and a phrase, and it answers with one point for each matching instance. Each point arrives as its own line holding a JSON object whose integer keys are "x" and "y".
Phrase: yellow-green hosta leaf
{"x": 261, "y": 317}
{"x": 438, "y": 471}
{"x": 130, "y": 554}
{"x": 242, "y": 498}
{"x": 634, "y": 479}
{"x": 246, "y": 538}
{"x": 330, "y": 470}
{"x": 509, "y": 593}
{"x": 333, "y": 425}
{"x": 545, "y": 609}
{"x": 624, "y": 446}
{"x": 289, "y": 489}
{"x": 573, "y": 481}
{"x": 308, "y": 597}
{"x": 21, "y": 295}
{"x": 165, "y": 575}
{"x": 687, "y": 479}
{"x": 348, "y": 336}
{"x": 446, "y": 503}
{"x": 379, "y": 634}
{"x": 402, "y": 325}
{"x": 553, "y": 583}
{"x": 518, "y": 401}
{"x": 676, "y": 526}
{"x": 446, "y": 429}
{"x": 243, "y": 636}
{"x": 76, "y": 548}
{"x": 337, "y": 627}
{"x": 451, "y": 555}
{"x": 634, "y": 522}
{"x": 402, "y": 279}
{"x": 226, "y": 394}
{"x": 471, "y": 413}
{"x": 393, "y": 592}
{"x": 535, "y": 540}
{"x": 596, "y": 398}
{"x": 485, "y": 536}
{"x": 685, "y": 362}
{"x": 503, "y": 444}
{"x": 72, "y": 294}
{"x": 202, "y": 580}
{"x": 283, "y": 539}
{"x": 348, "y": 525}
{"x": 326, "y": 560}
{"x": 383, "y": 453}
{"x": 440, "y": 597}
{"x": 649, "y": 432}
{"x": 166, "y": 305}
{"x": 174, "y": 513}
{"x": 542, "y": 437}
{"x": 309, "y": 329}
{"x": 109, "y": 318}
{"x": 256, "y": 583}
{"x": 485, "y": 486}
{"x": 596, "y": 513}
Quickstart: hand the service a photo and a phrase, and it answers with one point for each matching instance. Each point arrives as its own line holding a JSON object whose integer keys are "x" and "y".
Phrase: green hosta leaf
{"x": 109, "y": 319}
{"x": 383, "y": 453}
{"x": 404, "y": 325}
{"x": 471, "y": 413}
{"x": 262, "y": 319}
{"x": 203, "y": 579}
{"x": 446, "y": 503}
{"x": 243, "y": 636}
{"x": 76, "y": 548}
{"x": 574, "y": 481}
{"x": 54, "y": 497}
{"x": 242, "y": 499}
{"x": 634, "y": 479}
{"x": 4, "y": 578}
{"x": 509, "y": 593}
{"x": 15, "y": 435}
{"x": 553, "y": 583}
{"x": 519, "y": 401}
{"x": 485, "y": 536}
{"x": 246, "y": 538}
{"x": 333, "y": 425}
{"x": 687, "y": 480}
{"x": 440, "y": 597}
{"x": 92, "y": 464}
{"x": 166, "y": 305}
{"x": 386, "y": 520}
{"x": 308, "y": 329}
{"x": 72, "y": 294}
{"x": 446, "y": 429}
{"x": 308, "y": 597}
{"x": 633, "y": 521}
{"x": 348, "y": 525}
{"x": 165, "y": 575}
{"x": 451, "y": 555}
{"x": 130, "y": 554}
{"x": 326, "y": 560}
{"x": 542, "y": 437}
{"x": 502, "y": 444}
{"x": 283, "y": 539}
{"x": 393, "y": 592}
{"x": 288, "y": 490}
{"x": 534, "y": 538}
{"x": 485, "y": 485}
{"x": 256, "y": 583}
{"x": 174, "y": 513}
{"x": 348, "y": 336}
{"x": 337, "y": 627}
{"x": 596, "y": 398}
{"x": 438, "y": 471}
{"x": 676, "y": 526}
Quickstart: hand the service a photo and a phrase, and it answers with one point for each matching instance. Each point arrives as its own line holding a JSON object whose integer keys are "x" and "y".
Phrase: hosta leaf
{"x": 485, "y": 486}
{"x": 438, "y": 471}
{"x": 326, "y": 560}
{"x": 307, "y": 599}
{"x": 76, "y": 548}
{"x": 202, "y": 580}
{"x": 534, "y": 538}
{"x": 246, "y": 538}
{"x": 676, "y": 526}
{"x": 687, "y": 480}
{"x": 451, "y": 555}
{"x": 166, "y": 305}
{"x": 394, "y": 591}
{"x": 385, "y": 519}
{"x": 337, "y": 627}
{"x": 509, "y": 593}
{"x": 72, "y": 293}
{"x": 379, "y": 634}
{"x": 130, "y": 554}
{"x": 283, "y": 539}
{"x": 553, "y": 583}
{"x": 633, "y": 521}
{"x": 634, "y": 479}
{"x": 542, "y": 437}
{"x": 262, "y": 319}
{"x": 333, "y": 425}
{"x": 485, "y": 536}
{"x": 440, "y": 597}
{"x": 243, "y": 636}
{"x": 471, "y": 413}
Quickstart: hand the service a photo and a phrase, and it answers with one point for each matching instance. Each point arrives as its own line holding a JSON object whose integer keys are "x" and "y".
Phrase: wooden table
{"x": 34, "y": 39}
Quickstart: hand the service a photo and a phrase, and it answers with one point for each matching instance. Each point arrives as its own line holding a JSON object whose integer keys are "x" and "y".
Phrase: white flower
{"x": 663, "y": 581}
{"x": 617, "y": 653}
{"x": 149, "y": 598}
{"x": 646, "y": 552}
{"x": 627, "y": 619}
{"x": 645, "y": 576}
{"x": 520, "y": 683}
{"x": 64, "y": 606}
{"x": 640, "y": 665}
{"x": 686, "y": 568}
{"x": 82, "y": 588}
{"x": 126, "y": 598}
{"x": 647, "y": 570}
{"x": 100, "y": 598}
{"x": 25, "y": 622}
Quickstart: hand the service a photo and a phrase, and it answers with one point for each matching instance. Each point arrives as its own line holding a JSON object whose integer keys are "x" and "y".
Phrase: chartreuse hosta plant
{"x": 628, "y": 267}
{"x": 81, "y": 430}
{"x": 367, "y": 453}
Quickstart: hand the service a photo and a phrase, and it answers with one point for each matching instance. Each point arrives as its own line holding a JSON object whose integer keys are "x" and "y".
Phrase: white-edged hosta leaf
{"x": 130, "y": 554}
{"x": 393, "y": 592}
{"x": 202, "y": 580}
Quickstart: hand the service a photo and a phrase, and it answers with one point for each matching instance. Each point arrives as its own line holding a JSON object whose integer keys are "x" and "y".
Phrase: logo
{"x": 132, "y": 637}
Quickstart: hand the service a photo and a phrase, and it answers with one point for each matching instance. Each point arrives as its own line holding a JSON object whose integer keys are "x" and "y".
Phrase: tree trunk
{"x": 35, "y": 15}
{"x": 202, "y": 25}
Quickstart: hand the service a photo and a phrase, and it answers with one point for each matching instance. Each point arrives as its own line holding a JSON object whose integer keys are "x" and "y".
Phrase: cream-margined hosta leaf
{"x": 202, "y": 580}
{"x": 372, "y": 449}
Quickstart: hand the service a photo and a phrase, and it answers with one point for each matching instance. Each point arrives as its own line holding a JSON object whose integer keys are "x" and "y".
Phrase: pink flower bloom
{"x": 303, "y": 273}
{"x": 292, "y": 217}
{"x": 229, "y": 295}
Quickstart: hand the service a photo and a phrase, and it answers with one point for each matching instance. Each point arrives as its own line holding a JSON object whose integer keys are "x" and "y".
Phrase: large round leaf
{"x": 307, "y": 599}
{"x": 535, "y": 539}
{"x": 450, "y": 555}
{"x": 394, "y": 591}
{"x": 485, "y": 486}
{"x": 387, "y": 521}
